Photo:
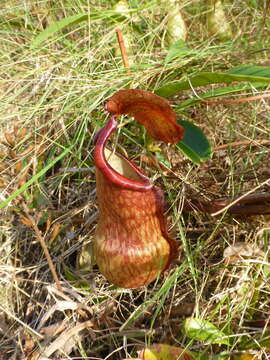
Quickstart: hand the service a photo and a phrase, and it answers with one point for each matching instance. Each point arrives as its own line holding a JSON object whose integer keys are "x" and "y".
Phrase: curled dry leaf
{"x": 235, "y": 252}
{"x": 66, "y": 341}
{"x": 25, "y": 221}
{"x": 151, "y": 110}
{"x": 55, "y": 232}
{"x": 18, "y": 166}
{"x": 27, "y": 150}
{"x": 54, "y": 329}
{"x": 59, "y": 306}
{"x": 22, "y": 133}
{"x": 28, "y": 344}
{"x": 9, "y": 138}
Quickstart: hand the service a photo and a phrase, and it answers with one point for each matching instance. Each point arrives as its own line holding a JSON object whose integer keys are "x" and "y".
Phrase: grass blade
{"x": 57, "y": 26}
{"x": 70, "y": 21}
{"x": 78, "y": 18}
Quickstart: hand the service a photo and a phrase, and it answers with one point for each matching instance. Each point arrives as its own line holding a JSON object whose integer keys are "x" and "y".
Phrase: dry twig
{"x": 248, "y": 204}
{"x": 242, "y": 143}
{"x": 234, "y": 101}
{"x": 43, "y": 245}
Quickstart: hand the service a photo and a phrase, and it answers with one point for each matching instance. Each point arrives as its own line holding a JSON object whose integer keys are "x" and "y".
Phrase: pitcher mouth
{"x": 116, "y": 167}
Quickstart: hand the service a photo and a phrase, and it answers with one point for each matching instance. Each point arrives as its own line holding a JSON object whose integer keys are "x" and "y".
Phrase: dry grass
{"x": 51, "y": 104}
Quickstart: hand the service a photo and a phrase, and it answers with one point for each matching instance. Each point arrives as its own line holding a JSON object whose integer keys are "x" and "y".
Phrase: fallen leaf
{"x": 164, "y": 352}
{"x": 151, "y": 110}
{"x": 9, "y": 138}
{"x": 59, "y": 306}
{"x": 235, "y": 252}
{"x": 54, "y": 232}
{"x": 66, "y": 341}
{"x": 25, "y": 221}
{"x": 53, "y": 329}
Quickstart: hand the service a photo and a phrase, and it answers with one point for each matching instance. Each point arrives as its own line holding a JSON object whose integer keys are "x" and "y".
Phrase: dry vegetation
{"x": 52, "y": 101}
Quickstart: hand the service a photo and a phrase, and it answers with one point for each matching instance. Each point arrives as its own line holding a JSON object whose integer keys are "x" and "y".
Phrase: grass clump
{"x": 52, "y": 97}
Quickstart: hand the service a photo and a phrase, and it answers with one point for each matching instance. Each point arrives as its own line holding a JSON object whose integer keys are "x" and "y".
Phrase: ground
{"x": 52, "y": 104}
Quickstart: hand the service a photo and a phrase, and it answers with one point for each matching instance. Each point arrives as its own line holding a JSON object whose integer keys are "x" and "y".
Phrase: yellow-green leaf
{"x": 202, "y": 330}
{"x": 165, "y": 352}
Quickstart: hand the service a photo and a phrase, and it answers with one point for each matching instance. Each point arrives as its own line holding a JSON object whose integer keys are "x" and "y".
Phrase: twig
{"x": 122, "y": 48}
{"x": 257, "y": 51}
{"x": 242, "y": 143}
{"x": 253, "y": 204}
{"x": 76, "y": 170}
{"x": 233, "y": 101}
{"x": 266, "y": 182}
{"x": 44, "y": 246}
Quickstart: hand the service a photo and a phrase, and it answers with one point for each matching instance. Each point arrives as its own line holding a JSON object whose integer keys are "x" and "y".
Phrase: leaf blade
{"x": 195, "y": 144}
{"x": 202, "y": 330}
{"x": 218, "y": 92}
{"x": 240, "y": 73}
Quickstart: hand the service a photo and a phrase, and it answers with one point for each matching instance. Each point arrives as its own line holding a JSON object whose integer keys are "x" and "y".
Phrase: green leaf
{"x": 195, "y": 144}
{"x": 202, "y": 330}
{"x": 240, "y": 73}
{"x": 177, "y": 50}
{"x": 218, "y": 92}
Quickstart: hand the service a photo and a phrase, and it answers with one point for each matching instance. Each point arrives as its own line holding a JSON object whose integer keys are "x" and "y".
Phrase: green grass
{"x": 56, "y": 90}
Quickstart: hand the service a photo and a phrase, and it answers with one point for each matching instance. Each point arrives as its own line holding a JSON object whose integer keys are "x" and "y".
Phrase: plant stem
{"x": 44, "y": 246}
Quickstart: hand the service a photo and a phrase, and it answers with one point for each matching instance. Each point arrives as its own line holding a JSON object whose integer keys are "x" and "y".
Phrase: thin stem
{"x": 44, "y": 247}
{"x": 242, "y": 143}
{"x": 234, "y": 101}
{"x": 248, "y": 204}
